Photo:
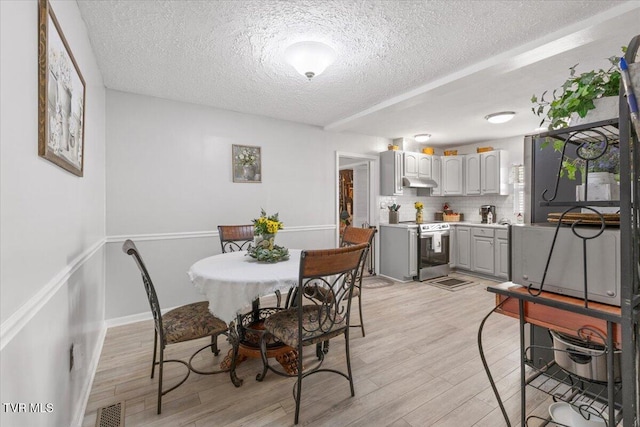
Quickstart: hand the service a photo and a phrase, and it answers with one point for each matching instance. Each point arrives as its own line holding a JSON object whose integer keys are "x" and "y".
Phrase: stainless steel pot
{"x": 584, "y": 359}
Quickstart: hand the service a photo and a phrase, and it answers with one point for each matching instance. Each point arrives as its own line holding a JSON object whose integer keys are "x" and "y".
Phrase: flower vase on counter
{"x": 419, "y": 207}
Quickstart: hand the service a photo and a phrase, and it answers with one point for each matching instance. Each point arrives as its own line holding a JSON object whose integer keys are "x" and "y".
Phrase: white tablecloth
{"x": 231, "y": 281}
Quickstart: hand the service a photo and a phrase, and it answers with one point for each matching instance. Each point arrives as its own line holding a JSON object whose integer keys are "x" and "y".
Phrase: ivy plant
{"x": 576, "y": 95}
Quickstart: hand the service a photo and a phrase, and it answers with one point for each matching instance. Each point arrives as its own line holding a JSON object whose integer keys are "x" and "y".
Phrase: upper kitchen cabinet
{"x": 436, "y": 175}
{"x": 472, "y": 176}
{"x": 494, "y": 172}
{"x": 391, "y": 173}
{"x": 417, "y": 165}
{"x": 452, "y": 175}
{"x": 487, "y": 173}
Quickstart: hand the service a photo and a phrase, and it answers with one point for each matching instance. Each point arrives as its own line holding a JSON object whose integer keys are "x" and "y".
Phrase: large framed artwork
{"x": 61, "y": 96}
{"x": 247, "y": 163}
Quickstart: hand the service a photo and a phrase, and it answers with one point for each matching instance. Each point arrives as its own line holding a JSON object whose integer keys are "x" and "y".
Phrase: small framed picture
{"x": 61, "y": 96}
{"x": 247, "y": 163}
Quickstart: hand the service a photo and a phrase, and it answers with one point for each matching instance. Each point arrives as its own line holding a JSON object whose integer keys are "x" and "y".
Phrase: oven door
{"x": 433, "y": 250}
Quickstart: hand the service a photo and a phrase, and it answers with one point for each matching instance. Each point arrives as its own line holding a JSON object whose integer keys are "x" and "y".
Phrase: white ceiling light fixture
{"x": 310, "y": 58}
{"x": 423, "y": 137}
{"x": 501, "y": 117}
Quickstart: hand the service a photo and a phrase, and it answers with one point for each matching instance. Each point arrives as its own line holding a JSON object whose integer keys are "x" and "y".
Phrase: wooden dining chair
{"x": 238, "y": 238}
{"x": 185, "y": 323}
{"x": 316, "y": 318}
{"x": 356, "y": 236}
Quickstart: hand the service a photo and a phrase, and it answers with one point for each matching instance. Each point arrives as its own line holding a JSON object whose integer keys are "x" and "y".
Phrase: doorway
{"x": 355, "y": 190}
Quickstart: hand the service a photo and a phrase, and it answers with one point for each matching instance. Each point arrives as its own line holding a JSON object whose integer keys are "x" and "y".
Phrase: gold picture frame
{"x": 247, "y": 163}
{"x": 61, "y": 96}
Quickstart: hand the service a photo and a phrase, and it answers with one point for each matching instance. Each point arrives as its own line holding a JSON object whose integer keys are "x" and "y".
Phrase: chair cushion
{"x": 283, "y": 325}
{"x": 191, "y": 321}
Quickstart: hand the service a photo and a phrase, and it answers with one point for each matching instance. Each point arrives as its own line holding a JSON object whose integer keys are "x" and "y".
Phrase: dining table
{"x": 232, "y": 282}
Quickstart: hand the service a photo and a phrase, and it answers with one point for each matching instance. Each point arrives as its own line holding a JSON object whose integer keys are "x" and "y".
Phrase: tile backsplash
{"x": 467, "y": 205}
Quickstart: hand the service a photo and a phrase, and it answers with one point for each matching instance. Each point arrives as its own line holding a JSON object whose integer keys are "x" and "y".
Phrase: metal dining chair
{"x": 356, "y": 236}
{"x": 235, "y": 237}
{"x": 321, "y": 312}
{"x": 184, "y": 323}
{"x": 238, "y": 238}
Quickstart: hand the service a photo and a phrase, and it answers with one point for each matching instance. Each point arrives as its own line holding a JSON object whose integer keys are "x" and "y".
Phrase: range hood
{"x": 414, "y": 182}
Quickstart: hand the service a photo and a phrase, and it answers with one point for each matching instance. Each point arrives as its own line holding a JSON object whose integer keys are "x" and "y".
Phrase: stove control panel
{"x": 436, "y": 226}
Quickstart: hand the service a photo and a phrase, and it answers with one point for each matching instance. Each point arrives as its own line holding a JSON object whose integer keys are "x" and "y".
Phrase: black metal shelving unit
{"x": 617, "y": 401}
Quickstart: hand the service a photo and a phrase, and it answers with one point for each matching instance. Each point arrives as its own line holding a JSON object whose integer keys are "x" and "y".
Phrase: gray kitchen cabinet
{"x": 487, "y": 173}
{"x": 494, "y": 172}
{"x": 463, "y": 247}
{"x": 473, "y": 174}
{"x": 453, "y": 175}
{"x": 417, "y": 165}
{"x": 436, "y": 175}
{"x": 482, "y": 251}
{"x": 391, "y": 173}
{"x": 502, "y": 254}
{"x": 398, "y": 252}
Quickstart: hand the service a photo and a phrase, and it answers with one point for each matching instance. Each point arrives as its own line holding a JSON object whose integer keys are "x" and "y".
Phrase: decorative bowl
{"x": 428, "y": 150}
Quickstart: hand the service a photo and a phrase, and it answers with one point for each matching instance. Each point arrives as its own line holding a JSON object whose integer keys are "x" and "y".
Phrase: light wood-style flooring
{"x": 417, "y": 366}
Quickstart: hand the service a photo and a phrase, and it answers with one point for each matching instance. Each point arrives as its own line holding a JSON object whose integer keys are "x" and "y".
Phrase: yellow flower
{"x": 266, "y": 224}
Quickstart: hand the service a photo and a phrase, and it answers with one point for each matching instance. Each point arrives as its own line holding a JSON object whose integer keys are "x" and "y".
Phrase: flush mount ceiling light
{"x": 501, "y": 117}
{"x": 423, "y": 137}
{"x": 309, "y": 58}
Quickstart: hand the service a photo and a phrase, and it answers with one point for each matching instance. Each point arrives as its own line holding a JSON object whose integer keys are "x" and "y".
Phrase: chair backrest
{"x": 235, "y": 237}
{"x": 356, "y": 236}
{"x": 130, "y": 248}
{"x": 327, "y": 277}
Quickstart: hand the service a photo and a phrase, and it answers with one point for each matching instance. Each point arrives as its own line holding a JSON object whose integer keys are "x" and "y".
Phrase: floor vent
{"x": 111, "y": 416}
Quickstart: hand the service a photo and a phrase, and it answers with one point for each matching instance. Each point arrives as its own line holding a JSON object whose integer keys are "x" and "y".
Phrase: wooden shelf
{"x": 558, "y": 312}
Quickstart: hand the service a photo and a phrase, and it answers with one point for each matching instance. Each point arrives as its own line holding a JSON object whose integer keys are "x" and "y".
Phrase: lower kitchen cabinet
{"x": 502, "y": 254}
{"x": 463, "y": 247}
{"x": 483, "y": 252}
{"x": 398, "y": 252}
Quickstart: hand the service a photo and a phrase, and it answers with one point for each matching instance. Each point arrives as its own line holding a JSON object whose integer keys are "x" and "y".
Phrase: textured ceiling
{"x": 395, "y": 59}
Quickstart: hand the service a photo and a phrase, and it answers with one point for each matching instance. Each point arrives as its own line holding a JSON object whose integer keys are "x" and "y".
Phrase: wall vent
{"x": 111, "y": 416}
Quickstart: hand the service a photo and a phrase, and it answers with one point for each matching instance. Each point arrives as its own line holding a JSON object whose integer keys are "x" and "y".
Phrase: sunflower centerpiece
{"x": 264, "y": 230}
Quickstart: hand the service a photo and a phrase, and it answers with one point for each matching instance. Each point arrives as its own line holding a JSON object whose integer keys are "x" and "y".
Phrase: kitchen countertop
{"x": 479, "y": 224}
{"x": 465, "y": 223}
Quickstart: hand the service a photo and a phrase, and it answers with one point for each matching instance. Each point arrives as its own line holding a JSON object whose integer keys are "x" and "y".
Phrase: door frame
{"x": 374, "y": 186}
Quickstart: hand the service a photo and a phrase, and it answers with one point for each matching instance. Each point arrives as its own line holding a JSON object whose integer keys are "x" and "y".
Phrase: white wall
{"x": 169, "y": 184}
{"x": 52, "y": 225}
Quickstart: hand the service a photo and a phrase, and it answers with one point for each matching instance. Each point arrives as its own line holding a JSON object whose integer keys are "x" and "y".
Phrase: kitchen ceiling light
{"x": 501, "y": 117}
{"x": 309, "y": 58}
{"x": 423, "y": 137}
